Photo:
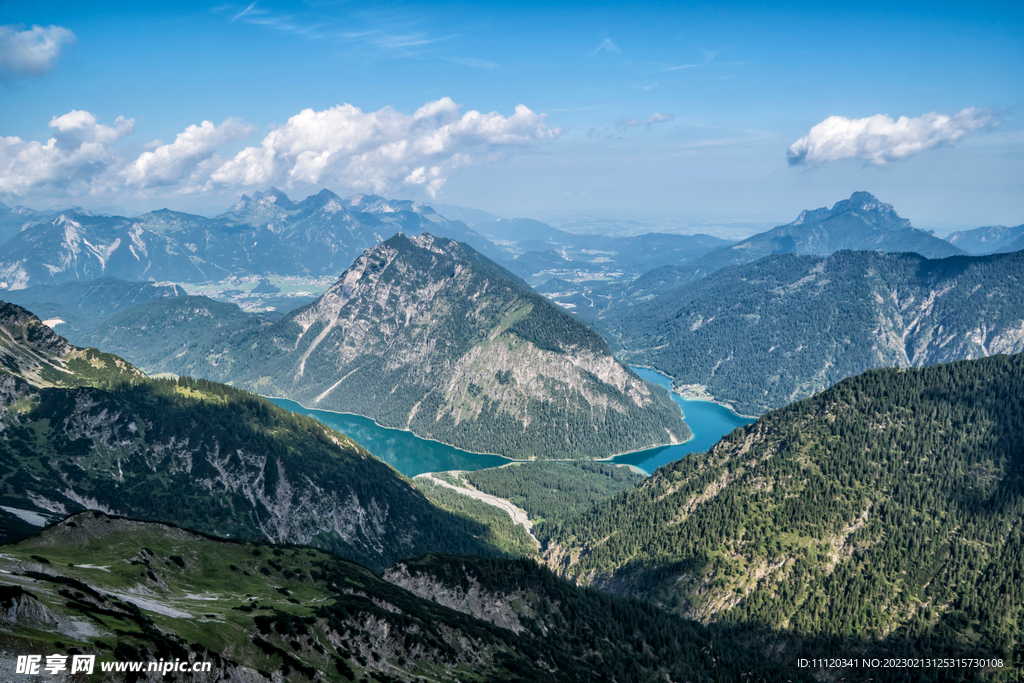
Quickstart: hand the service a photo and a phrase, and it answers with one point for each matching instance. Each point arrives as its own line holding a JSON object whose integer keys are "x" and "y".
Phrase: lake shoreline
{"x": 496, "y": 455}
{"x": 695, "y": 396}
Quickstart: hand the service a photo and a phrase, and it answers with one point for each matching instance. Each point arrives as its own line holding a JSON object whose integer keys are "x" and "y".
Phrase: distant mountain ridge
{"x": 763, "y": 334}
{"x": 1016, "y": 245}
{"x": 860, "y": 223}
{"x": 85, "y": 303}
{"x": 422, "y": 333}
{"x": 264, "y": 234}
{"x": 988, "y": 240}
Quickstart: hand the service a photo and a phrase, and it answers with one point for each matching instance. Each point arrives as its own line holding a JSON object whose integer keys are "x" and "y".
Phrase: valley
{"x": 522, "y": 503}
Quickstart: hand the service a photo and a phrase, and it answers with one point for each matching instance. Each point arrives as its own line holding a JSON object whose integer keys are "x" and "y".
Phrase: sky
{"x": 696, "y": 112}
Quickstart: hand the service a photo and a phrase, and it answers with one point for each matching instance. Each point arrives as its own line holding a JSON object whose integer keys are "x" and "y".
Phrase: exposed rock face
{"x": 426, "y": 334}
{"x": 468, "y": 597}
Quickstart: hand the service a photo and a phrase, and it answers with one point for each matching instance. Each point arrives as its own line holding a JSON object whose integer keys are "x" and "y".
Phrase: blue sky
{"x": 669, "y": 110}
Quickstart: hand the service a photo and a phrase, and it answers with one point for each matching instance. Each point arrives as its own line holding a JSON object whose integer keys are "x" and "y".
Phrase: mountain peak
{"x": 323, "y": 198}
{"x": 366, "y": 201}
{"x": 244, "y": 203}
{"x": 858, "y": 201}
{"x": 273, "y": 196}
{"x": 865, "y": 201}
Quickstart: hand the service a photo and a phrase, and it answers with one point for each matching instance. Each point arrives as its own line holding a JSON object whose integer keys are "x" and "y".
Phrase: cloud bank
{"x": 375, "y": 151}
{"x": 31, "y": 52}
{"x": 167, "y": 164}
{"x": 76, "y": 158}
{"x": 880, "y": 141}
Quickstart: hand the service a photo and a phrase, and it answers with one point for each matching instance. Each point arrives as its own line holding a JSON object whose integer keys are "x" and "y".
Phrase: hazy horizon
{"x": 731, "y": 114}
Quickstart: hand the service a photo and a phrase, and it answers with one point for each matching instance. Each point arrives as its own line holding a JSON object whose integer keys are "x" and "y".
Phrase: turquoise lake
{"x": 411, "y": 455}
{"x": 708, "y": 421}
{"x": 406, "y": 452}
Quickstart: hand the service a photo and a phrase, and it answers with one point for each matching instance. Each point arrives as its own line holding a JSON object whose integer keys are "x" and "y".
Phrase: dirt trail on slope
{"x": 517, "y": 514}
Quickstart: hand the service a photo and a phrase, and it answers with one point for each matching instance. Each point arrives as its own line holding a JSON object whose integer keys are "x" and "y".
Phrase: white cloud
{"x": 31, "y": 52}
{"x": 378, "y": 150}
{"x": 76, "y": 157}
{"x": 880, "y": 140}
{"x": 660, "y": 118}
{"x": 167, "y": 164}
{"x": 341, "y": 146}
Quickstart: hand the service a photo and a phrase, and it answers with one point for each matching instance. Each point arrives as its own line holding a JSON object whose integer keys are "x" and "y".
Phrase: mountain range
{"x": 763, "y": 334}
{"x": 989, "y": 240}
{"x": 861, "y": 223}
{"x": 263, "y": 234}
{"x": 421, "y": 333}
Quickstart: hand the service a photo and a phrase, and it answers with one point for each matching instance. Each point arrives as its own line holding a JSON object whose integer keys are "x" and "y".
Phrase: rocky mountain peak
{"x": 25, "y": 342}
{"x": 865, "y": 201}
{"x": 811, "y": 215}
{"x": 242, "y": 204}
{"x": 276, "y": 196}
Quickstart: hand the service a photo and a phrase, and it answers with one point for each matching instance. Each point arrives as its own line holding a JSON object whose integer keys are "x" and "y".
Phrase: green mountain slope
{"x": 889, "y": 506}
{"x": 550, "y": 490}
{"x": 424, "y": 333}
{"x": 766, "y": 333}
{"x": 83, "y": 304}
{"x": 32, "y": 353}
{"x": 135, "y": 591}
{"x": 196, "y": 453}
{"x": 183, "y": 335}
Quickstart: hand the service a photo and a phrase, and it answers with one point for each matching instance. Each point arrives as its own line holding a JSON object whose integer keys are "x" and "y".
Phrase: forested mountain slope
{"x": 889, "y": 506}
{"x": 766, "y": 333}
{"x": 427, "y": 334}
{"x": 81, "y": 429}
